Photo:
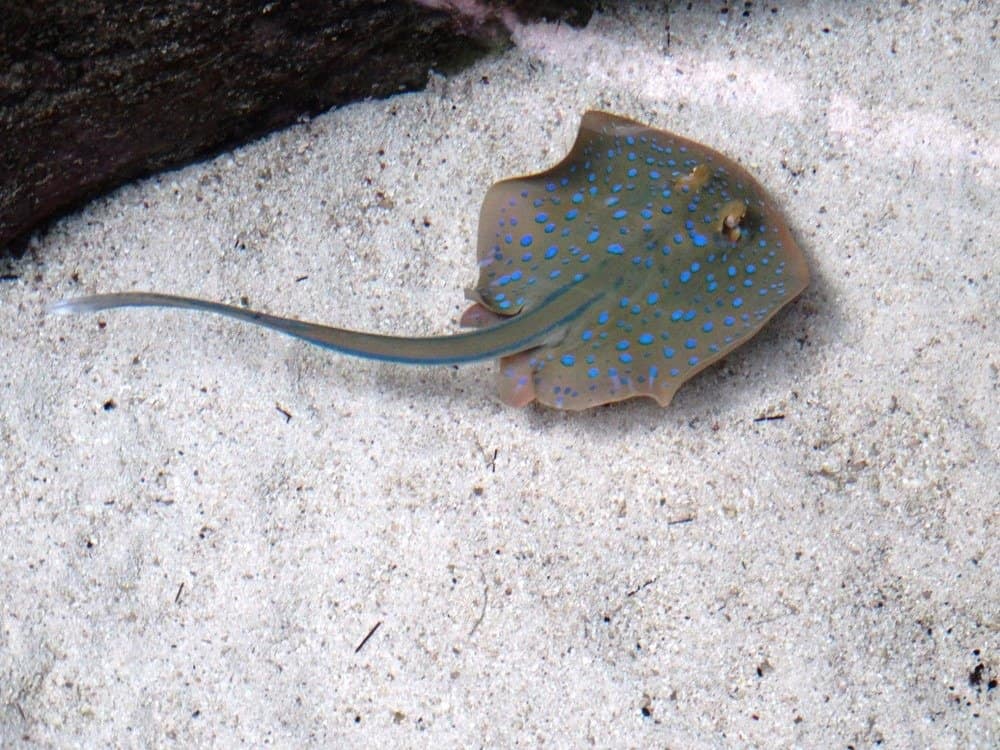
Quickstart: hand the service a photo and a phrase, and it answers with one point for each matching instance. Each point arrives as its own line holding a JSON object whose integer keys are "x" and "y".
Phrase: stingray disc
{"x": 682, "y": 250}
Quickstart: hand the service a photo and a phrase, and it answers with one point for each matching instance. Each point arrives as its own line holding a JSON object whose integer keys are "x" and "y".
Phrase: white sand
{"x": 190, "y": 567}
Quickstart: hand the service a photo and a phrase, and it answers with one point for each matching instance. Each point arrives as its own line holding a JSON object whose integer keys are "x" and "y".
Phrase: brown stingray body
{"x": 632, "y": 264}
{"x": 682, "y": 250}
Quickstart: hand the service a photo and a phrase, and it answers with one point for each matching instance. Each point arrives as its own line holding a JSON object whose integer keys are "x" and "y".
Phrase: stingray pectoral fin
{"x": 541, "y": 325}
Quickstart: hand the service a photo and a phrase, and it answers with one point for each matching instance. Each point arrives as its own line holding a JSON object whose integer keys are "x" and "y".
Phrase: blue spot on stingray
{"x": 615, "y": 249}
{"x": 513, "y": 221}
{"x": 678, "y": 239}
{"x": 653, "y": 372}
{"x": 593, "y": 372}
{"x": 751, "y": 268}
{"x": 527, "y": 240}
{"x": 577, "y": 198}
{"x": 690, "y": 343}
{"x": 568, "y": 360}
{"x": 593, "y": 236}
{"x": 668, "y": 353}
{"x": 693, "y": 361}
{"x": 516, "y": 276}
{"x": 587, "y": 335}
{"x": 526, "y": 258}
{"x": 738, "y": 302}
{"x": 577, "y": 278}
{"x": 551, "y": 252}
{"x": 685, "y": 277}
{"x": 571, "y": 214}
{"x": 690, "y": 315}
{"x": 603, "y": 317}
{"x": 729, "y": 321}
{"x": 625, "y": 358}
{"x": 646, "y": 339}
{"x": 508, "y": 238}
{"x": 731, "y": 271}
{"x": 707, "y": 328}
{"x": 652, "y": 298}
{"x": 505, "y": 304}
{"x": 550, "y": 228}
{"x": 695, "y": 267}
{"x": 621, "y": 346}
{"x": 551, "y": 187}
{"x": 621, "y": 213}
{"x": 667, "y": 209}
{"x": 541, "y": 218}
{"x": 555, "y": 274}
{"x": 674, "y": 372}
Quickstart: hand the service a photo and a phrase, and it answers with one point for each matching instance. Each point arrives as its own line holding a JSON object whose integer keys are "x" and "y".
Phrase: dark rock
{"x": 93, "y": 93}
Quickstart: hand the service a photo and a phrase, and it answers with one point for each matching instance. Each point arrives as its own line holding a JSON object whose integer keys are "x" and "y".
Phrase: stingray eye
{"x": 733, "y": 221}
{"x": 693, "y": 181}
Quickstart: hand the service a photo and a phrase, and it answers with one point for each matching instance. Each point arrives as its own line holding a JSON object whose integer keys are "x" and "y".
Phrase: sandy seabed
{"x": 215, "y": 535}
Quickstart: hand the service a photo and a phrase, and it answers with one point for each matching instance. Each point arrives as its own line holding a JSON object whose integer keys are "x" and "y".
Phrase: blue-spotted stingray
{"x": 635, "y": 262}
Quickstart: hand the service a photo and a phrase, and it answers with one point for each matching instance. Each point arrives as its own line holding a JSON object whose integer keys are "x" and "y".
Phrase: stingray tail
{"x": 521, "y": 332}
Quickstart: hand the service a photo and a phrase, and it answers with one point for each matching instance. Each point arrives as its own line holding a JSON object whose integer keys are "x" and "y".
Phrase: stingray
{"x": 631, "y": 265}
